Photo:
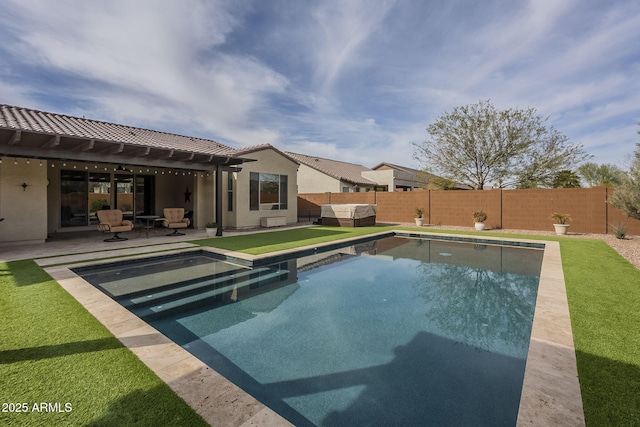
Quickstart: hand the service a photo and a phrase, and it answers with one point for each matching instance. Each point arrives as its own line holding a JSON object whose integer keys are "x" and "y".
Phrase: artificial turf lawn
{"x": 53, "y": 351}
{"x": 261, "y": 243}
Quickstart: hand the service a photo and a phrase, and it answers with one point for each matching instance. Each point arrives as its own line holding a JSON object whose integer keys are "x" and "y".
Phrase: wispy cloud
{"x": 151, "y": 62}
{"x": 342, "y": 28}
{"x": 352, "y": 80}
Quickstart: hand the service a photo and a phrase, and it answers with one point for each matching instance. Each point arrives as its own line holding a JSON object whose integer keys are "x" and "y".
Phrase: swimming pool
{"x": 397, "y": 330}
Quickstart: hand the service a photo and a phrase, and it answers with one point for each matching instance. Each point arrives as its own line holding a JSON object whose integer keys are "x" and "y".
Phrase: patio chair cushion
{"x": 174, "y": 218}
{"x": 111, "y": 220}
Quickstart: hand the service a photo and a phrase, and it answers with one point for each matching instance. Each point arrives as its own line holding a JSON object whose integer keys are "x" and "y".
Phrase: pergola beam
{"x": 54, "y": 141}
{"x": 87, "y": 145}
{"x": 15, "y": 139}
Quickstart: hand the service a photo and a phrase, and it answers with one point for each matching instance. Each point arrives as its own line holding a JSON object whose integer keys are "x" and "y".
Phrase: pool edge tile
{"x": 551, "y": 390}
{"x": 233, "y": 406}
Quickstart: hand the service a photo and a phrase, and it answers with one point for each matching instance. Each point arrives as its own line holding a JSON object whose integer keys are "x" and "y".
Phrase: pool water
{"x": 396, "y": 331}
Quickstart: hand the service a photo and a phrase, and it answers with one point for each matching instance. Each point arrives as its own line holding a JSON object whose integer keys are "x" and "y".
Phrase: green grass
{"x": 261, "y": 243}
{"x": 604, "y": 301}
{"x": 52, "y": 350}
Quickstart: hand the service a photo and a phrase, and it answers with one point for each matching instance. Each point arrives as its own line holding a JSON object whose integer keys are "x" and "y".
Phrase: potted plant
{"x": 560, "y": 224}
{"x": 419, "y": 220}
{"x": 211, "y": 228}
{"x": 479, "y": 217}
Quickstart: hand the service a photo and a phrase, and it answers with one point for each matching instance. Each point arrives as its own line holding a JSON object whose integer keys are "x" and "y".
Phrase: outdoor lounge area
{"x": 606, "y": 270}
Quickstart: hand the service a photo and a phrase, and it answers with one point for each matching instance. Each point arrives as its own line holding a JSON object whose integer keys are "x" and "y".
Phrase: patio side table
{"x": 150, "y": 222}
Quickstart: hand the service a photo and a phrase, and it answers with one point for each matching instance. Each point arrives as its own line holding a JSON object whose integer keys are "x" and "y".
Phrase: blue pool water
{"x": 396, "y": 331}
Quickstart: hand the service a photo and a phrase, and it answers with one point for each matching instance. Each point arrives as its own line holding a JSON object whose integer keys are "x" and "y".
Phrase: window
{"x": 99, "y": 194}
{"x": 73, "y": 198}
{"x": 267, "y": 191}
{"x": 124, "y": 194}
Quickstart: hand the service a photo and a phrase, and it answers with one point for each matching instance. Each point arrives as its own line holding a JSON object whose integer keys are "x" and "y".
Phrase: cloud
{"x": 342, "y": 28}
{"x": 356, "y": 80}
{"x": 152, "y": 62}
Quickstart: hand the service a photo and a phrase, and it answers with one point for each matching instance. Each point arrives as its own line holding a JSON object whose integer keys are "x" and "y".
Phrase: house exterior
{"x": 267, "y": 187}
{"x": 318, "y": 175}
{"x": 398, "y": 178}
{"x": 56, "y": 171}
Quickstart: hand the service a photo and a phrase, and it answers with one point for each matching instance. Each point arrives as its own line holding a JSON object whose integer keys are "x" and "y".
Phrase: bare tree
{"x": 477, "y": 144}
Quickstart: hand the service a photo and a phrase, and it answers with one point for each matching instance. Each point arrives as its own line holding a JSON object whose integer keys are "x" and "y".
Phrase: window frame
{"x": 261, "y": 185}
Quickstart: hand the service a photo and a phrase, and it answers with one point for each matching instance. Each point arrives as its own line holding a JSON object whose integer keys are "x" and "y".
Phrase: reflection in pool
{"x": 394, "y": 331}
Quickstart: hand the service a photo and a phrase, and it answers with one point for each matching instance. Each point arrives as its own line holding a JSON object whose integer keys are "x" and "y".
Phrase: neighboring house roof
{"x": 385, "y": 165}
{"x": 253, "y": 149}
{"x": 417, "y": 172}
{"x": 49, "y": 134}
{"x": 347, "y": 172}
{"x": 420, "y": 174}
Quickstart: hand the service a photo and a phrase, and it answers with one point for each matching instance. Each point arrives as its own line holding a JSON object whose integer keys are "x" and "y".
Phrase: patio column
{"x": 219, "y": 199}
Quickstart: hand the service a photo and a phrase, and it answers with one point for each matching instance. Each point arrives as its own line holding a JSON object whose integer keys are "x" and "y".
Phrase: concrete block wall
{"x": 454, "y": 208}
{"x": 513, "y": 209}
{"x": 532, "y": 209}
{"x": 401, "y": 206}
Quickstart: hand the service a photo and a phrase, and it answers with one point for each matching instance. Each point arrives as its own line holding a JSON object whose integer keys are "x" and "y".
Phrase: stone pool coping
{"x": 550, "y": 393}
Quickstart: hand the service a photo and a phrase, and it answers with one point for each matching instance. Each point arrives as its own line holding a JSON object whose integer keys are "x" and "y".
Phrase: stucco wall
{"x": 382, "y": 177}
{"x": 313, "y": 181}
{"x": 170, "y": 192}
{"x": 24, "y": 210}
{"x": 268, "y": 161}
{"x": 204, "y": 192}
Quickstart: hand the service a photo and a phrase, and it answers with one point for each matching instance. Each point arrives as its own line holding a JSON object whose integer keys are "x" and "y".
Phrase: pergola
{"x": 39, "y": 135}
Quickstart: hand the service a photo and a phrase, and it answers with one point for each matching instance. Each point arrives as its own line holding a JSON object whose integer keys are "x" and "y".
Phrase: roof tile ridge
{"x": 66, "y": 118}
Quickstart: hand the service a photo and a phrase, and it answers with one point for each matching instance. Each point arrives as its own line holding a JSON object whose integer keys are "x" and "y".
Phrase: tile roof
{"x": 254, "y": 148}
{"x": 418, "y": 172}
{"x": 25, "y": 119}
{"x": 348, "y": 172}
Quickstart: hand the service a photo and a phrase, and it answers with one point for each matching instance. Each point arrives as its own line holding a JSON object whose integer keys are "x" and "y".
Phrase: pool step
{"x": 209, "y": 292}
{"x": 132, "y": 280}
{"x": 192, "y": 286}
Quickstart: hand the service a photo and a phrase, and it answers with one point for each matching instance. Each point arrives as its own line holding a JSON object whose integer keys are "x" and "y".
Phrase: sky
{"x": 351, "y": 80}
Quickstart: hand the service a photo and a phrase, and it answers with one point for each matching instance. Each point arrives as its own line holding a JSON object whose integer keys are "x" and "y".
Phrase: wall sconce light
{"x": 24, "y": 186}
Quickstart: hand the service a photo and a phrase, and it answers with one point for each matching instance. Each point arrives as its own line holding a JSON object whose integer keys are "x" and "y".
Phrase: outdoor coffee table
{"x": 150, "y": 221}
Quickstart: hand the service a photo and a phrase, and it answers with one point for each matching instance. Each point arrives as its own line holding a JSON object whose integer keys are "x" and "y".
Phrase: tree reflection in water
{"x": 488, "y": 310}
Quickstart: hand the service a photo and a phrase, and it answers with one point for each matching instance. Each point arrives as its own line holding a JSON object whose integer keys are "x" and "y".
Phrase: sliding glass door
{"x": 82, "y": 194}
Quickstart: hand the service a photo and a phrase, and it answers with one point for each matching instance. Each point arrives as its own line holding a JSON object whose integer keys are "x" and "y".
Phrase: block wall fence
{"x": 529, "y": 209}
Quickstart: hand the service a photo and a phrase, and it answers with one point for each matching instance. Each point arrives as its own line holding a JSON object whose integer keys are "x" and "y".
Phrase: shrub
{"x": 560, "y": 218}
{"x": 620, "y": 230}
{"x": 479, "y": 216}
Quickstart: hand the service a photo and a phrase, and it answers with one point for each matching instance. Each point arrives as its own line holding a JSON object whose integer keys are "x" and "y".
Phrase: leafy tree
{"x": 605, "y": 174}
{"x": 477, "y": 144}
{"x": 566, "y": 179}
{"x": 627, "y": 196}
{"x": 438, "y": 183}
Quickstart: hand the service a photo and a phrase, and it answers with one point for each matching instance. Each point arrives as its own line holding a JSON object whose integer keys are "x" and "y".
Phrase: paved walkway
{"x": 88, "y": 245}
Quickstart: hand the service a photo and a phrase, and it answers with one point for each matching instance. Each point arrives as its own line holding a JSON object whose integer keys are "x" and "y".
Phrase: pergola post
{"x": 219, "y": 199}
